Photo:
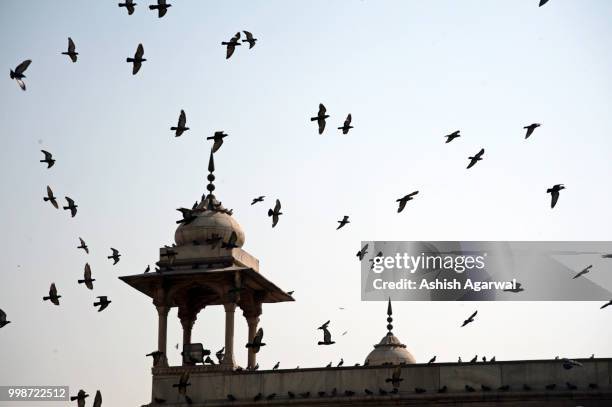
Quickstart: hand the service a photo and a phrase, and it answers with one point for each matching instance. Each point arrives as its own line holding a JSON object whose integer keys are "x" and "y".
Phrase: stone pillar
{"x": 252, "y": 321}
{"x": 162, "y": 331}
{"x": 228, "y": 359}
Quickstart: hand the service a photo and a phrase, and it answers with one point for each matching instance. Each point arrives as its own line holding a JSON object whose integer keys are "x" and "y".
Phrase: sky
{"x": 408, "y": 71}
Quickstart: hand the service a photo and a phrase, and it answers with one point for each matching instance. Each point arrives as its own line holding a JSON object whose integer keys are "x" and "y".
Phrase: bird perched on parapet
{"x": 218, "y": 140}
{"x": 231, "y": 243}
{"x": 584, "y": 271}
{"x": 550, "y": 386}
{"x": 443, "y": 389}
{"x": 432, "y": 360}
{"x": 492, "y": 359}
{"x": 276, "y": 366}
{"x": 53, "y": 297}
{"x": 485, "y": 388}
{"x": 290, "y": 292}
{"x": 137, "y": 60}
{"x": 257, "y": 343}
{"x": 554, "y": 194}
{"x": 343, "y": 222}
{"x": 258, "y": 397}
{"x": 48, "y": 159}
{"x": 368, "y": 392}
{"x": 102, "y": 302}
{"x": 98, "y": 399}
{"x": 361, "y": 253}
{"x": 419, "y": 390}
{"x": 3, "y": 320}
{"x": 321, "y": 394}
{"x": 161, "y": 7}
{"x": 220, "y": 354}
{"x": 71, "y": 207}
{"x": 180, "y": 127}
{"x": 395, "y": 378}
{"x": 156, "y": 355}
{"x": 470, "y": 319}
{"x": 230, "y": 397}
{"x": 320, "y": 118}
{"x": 188, "y": 216}
{"x": 291, "y": 395}
{"x": 452, "y": 136}
{"x": 115, "y": 256}
{"x": 80, "y": 398}
{"x": 474, "y": 359}
{"x": 305, "y": 395}
{"x": 474, "y": 159}
{"x": 209, "y": 360}
{"x": 18, "y": 75}
{"x": 341, "y": 362}
{"x": 250, "y": 39}
{"x": 403, "y": 201}
{"x": 129, "y": 5}
{"x": 231, "y": 45}
{"x": 51, "y": 198}
{"x": 531, "y": 128}
{"x": 275, "y": 213}
{"x": 83, "y": 246}
{"x": 505, "y": 387}
{"x": 258, "y": 199}
{"x": 382, "y": 392}
{"x": 183, "y": 383}
{"x": 148, "y": 268}
{"x": 87, "y": 277}
{"x": 71, "y": 50}
{"x": 459, "y": 361}
{"x": 347, "y": 124}
{"x": 607, "y": 304}
{"x": 569, "y": 363}
{"x": 484, "y": 358}
{"x": 469, "y": 388}
{"x": 394, "y": 391}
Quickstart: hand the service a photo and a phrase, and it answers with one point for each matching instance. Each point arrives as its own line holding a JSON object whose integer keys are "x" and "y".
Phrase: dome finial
{"x": 389, "y": 318}
{"x": 211, "y": 177}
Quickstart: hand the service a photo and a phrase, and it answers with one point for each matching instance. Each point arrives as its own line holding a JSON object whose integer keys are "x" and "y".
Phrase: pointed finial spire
{"x": 211, "y": 177}
{"x": 389, "y": 318}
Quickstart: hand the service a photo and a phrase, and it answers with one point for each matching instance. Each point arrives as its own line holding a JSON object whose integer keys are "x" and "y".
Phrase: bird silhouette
{"x": 347, "y": 124}
{"x": 53, "y": 297}
{"x": 275, "y": 213}
{"x": 180, "y": 127}
{"x": 570, "y": 364}
{"x": 345, "y": 220}
{"x": 492, "y": 359}
{"x": 452, "y": 136}
{"x": 231, "y": 243}
{"x": 361, "y": 253}
{"x": 115, "y": 256}
{"x": 156, "y": 355}
{"x": 382, "y": 392}
{"x": 3, "y": 320}
{"x": 51, "y": 198}
{"x": 231, "y": 45}
{"x": 305, "y": 395}
{"x": 71, "y": 206}
{"x": 550, "y": 386}
{"x": 327, "y": 339}
{"x": 443, "y": 389}
{"x": 542, "y": 2}
{"x": 161, "y": 7}
{"x": 83, "y": 246}
{"x": 48, "y": 159}
{"x": 320, "y": 118}
{"x": 485, "y": 388}
{"x": 531, "y": 128}
{"x": 249, "y": 39}
{"x": 395, "y": 378}
{"x": 87, "y": 277}
{"x": 71, "y": 50}
{"x": 584, "y": 271}
{"x": 276, "y": 366}
{"x": 258, "y": 199}
{"x": 368, "y": 392}
{"x": 129, "y": 5}
{"x": 257, "y": 343}
{"x": 340, "y": 363}
{"x": 18, "y": 75}
{"x": 137, "y": 60}
{"x": 554, "y": 194}
{"x": 469, "y": 388}
{"x": 474, "y": 359}
{"x": 188, "y": 216}
{"x": 404, "y": 200}
{"x": 607, "y": 304}
{"x": 432, "y": 360}
{"x": 258, "y": 397}
{"x": 218, "y": 140}
{"x": 80, "y": 398}
{"x": 98, "y": 399}
{"x": 102, "y": 302}
{"x": 474, "y": 159}
{"x": 231, "y": 397}
{"x": 419, "y": 390}
{"x": 470, "y": 319}
{"x": 183, "y": 383}
{"x": 148, "y": 268}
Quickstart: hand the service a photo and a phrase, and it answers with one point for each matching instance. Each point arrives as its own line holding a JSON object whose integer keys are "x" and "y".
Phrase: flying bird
{"x": 115, "y": 256}
{"x": 161, "y": 7}
{"x": 48, "y": 159}
{"x": 343, "y": 222}
{"x": 403, "y": 201}
{"x": 218, "y": 140}
{"x": 129, "y": 5}
{"x": 327, "y": 339}
{"x": 531, "y": 128}
{"x": 470, "y": 319}
{"x": 320, "y": 118}
{"x": 137, "y": 60}
{"x": 87, "y": 277}
{"x": 83, "y": 246}
{"x": 53, "y": 297}
{"x": 180, "y": 127}
{"x": 258, "y": 199}
{"x": 257, "y": 341}
{"x": 361, "y": 253}
{"x": 188, "y": 216}
{"x": 51, "y": 198}
{"x": 183, "y": 383}
{"x": 18, "y": 73}
{"x": 607, "y": 304}
{"x": 347, "y": 124}
{"x": 3, "y": 321}
{"x": 102, "y": 302}
{"x": 395, "y": 378}
{"x": 275, "y": 213}
{"x": 452, "y": 136}
{"x": 249, "y": 39}
{"x": 98, "y": 399}
{"x": 542, "y": 2}
{"x": 80, "y": 398}
{"x": 231, "y": 45}
{"x": 584, "y": 271}
{"x": 476, "y": 158}
{"x": 554, "y": 194}
{"x": 71, "y": 50}
{"x": 71, "y": 207}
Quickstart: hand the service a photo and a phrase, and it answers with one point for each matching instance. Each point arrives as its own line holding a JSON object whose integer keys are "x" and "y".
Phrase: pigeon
{"x": 443, "y": 389}
{"x": 180, "y": 126}
{"x": 83, "y": 246}
{"x": 137, "y": 60}
{"x": 257, "y": 341}
{"x": 71, "y": 50}
{"x": 231, "y": 45}
{"x": 276, "y": 366}
{"x": 325, "y": 325}
{"x": 432, "y": 360}
{"x": 470, "y": 319}
{"x": 484, "y": 358}
{"x": 476, "y": 158}
{"x": 218, "y": 140}
{"x": 327, "y": 339}
{"x": 71, "y": 206}
{"x": 347, "y": 124}
{"x": 341, "y": 362}
{"x": 53, "y": 297}
{"x": 554, "y": 194}
{"x": 485, "y": 388}
{"x": 542, "y": 2}
{"x": 87, "y": 277}
{"x": 569, "y": 363}
{"x": 258, "y": 199}
{"x": 505, "y": 387}
{"x": 188, "y": 216}
{"x": 395, "y": 378}
{"x": 209, "y": 360}
{"x": 459, "y": 360}
{"x": 452, "y": 136}
{"x": 517, "y": 289}
{"x": 183, "y": 383}
{"x": 275, "y": 213}
{"x": 161, "y": 7}
{"x": 343, "y": 222}
{"x": 320, "y": 118}
{"x": 328, "y": 365}
{"x": 531, "y": 128}
{"x": 148, "y": 268}
{"x": 361, "y": 253}
{"x": 249, "y": 39}
{"x": 18, "y": 73}
{"x": 80, "y": 398}
{"x": 551, "y": 386}
{"x": 231, "y": 243}
{"x": 492, "y": 359}
{"x": 584, "y": 271}
{"x": 230, "y": 397}
{"x": 419, "y": 390}
{"x": 220, "y": 354}
{"x": 98, "y": 399}
{"x": 382, "y": 392}
{"x": 156, "y": 355}
{"x": 129, "y": 5}
{"x": 403, "y": 201}
{"x": 3, "y": 321}
{"x": 474, "y": 359}
{"x": 103, "y": 302}
{"x": 258, "y": 397}
{"x": 51, "y": 198}
{"x": 469, "y": 388}
{"x": 368, "y": 392}
{"x": 115, "y": 256}
{"x": 607, "y": 304}
{"x": 48, "y": 159}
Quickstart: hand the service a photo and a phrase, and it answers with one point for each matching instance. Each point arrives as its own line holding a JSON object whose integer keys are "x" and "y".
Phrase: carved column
{"x": 162, "y": 331}
{"x": 228, "y": 359}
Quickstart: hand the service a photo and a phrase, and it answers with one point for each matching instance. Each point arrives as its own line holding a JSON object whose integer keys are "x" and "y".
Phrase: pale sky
{"x": 408, "y": 71}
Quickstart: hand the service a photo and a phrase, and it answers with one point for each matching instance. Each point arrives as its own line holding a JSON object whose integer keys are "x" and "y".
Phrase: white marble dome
{"x": 389, "y": 351}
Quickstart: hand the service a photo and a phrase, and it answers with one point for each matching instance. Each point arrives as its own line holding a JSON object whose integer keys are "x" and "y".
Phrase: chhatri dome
{"x": 389, "y": 350}
{"x": 210, "y": 219}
